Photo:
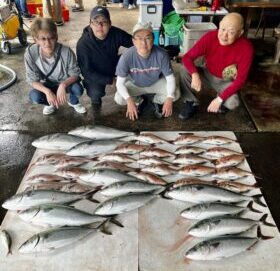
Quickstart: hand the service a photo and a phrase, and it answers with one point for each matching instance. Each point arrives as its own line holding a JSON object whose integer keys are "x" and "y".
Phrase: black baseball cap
{"x": 100, "y": 11}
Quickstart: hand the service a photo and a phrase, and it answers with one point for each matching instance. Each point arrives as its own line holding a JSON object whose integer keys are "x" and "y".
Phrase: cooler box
{"x": 193, "y": 32}
{"x": 32, "y": 5}
{"x": 150, "y": 11}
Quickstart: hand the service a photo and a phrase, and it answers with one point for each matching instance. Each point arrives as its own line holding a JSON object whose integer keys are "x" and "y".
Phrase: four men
{"x": 144, "y": 71}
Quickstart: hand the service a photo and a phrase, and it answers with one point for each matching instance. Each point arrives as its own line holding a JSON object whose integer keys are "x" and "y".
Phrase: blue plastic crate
{"x": 156, "y": 36}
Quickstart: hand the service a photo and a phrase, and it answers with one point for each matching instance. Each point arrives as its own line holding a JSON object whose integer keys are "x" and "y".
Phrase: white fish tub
{"x": 149, "y": 240}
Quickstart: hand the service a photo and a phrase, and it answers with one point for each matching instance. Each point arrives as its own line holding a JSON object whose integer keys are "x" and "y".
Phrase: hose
{"x": 10, "y": 82}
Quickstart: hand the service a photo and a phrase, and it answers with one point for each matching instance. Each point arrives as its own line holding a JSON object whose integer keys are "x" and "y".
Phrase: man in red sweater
{"x": 228, "y": 57}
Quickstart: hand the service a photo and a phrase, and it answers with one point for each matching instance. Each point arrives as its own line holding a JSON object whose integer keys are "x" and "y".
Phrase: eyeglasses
{"x": 101, "y": 23}
{"x": 44, "y": 39}
{"x": 144, "y": 39}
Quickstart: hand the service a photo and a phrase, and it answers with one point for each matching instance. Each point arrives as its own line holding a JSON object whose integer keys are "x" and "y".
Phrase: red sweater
{"x": 218, "y": 57}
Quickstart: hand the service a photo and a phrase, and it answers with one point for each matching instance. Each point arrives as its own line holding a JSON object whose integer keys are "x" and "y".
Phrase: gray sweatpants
{"x": 158, "y": 88}
{"x": 208, "y": 81}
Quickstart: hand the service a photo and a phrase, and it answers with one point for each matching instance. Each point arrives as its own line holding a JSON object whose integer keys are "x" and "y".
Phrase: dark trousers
{"x": 75, "y": 91}
{"x": 95, "y": 92}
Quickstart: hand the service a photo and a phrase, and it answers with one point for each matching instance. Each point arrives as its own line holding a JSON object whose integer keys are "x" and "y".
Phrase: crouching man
{"x": 142, "y": 70}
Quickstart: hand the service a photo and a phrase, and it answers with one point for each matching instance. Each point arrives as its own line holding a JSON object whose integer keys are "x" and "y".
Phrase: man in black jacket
{"x": 97, "y": 53}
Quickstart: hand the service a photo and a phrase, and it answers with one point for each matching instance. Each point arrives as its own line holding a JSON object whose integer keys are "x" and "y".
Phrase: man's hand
{"x": 61, "y": 94}
{"x": 196, "y": 82}
{"x": 51, "y": 98}
{"x": 215, "y": 105}
{"x": 167, "y": 107}
{"x": 131, "y": 111}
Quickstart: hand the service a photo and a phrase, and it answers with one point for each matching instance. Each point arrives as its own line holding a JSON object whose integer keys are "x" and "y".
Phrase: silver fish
{"x": 189, "y": 150}
{"x": 126, "y": 187}
{"x": 49, "y": 240}
{"x": 115, "y": 157}
{"x": 189, "y": 159}
{"x": 151, "y": 178}
{"x": 121, "y": 204}
{"x": 218, "y": 152}
{"x": 208, "y": 210}
{"x": 151, "y": 161}
{"x": 54, "y": 215}
{"x": 219, "y": 226}
{"x": 217, "y": 140}
{"x": 202, "y": 193}
{"x": 6, "y": 240}
{"x": 229, "y": 161}
{"x": 161, "y": 170}
{"x": 196, "y": 170}
{"x": 187, "y": 139}
{"x": 38, "y": 178}
{"x": 129, "y": 148}
{"x": 32, "y": 198}
{"x": 98, "y": 132}
{"x": 149, "y": 138}
{"x": 58, "y": 141}
{"x": 231, "y": 173}
{"x": 156, "y": 152}
{"x": 93, "y": 148}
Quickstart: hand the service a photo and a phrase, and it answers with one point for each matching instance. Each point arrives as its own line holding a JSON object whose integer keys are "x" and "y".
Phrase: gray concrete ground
{"x": 21, "y": 122}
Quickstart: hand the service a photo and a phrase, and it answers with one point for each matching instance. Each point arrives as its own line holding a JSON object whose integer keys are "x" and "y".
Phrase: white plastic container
{"x": 193, "y": 32}
{"x": 150, "y": 11}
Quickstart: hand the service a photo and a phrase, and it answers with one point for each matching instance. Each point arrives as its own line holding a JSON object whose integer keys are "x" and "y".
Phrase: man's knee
{"x": 232, "y": 102}
{"x": 119, "y": 99}
{"x": 76, "y": 89}
{"x": 35, "y": 96}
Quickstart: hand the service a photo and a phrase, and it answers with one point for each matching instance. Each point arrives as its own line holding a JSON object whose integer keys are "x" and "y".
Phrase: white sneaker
{"x": 78, "y": 108}
{"x": 48, "y": 109}
{"x": 130, "y": 7}
{"x": 121, "y": 5}
{"x": 134, "y": 6}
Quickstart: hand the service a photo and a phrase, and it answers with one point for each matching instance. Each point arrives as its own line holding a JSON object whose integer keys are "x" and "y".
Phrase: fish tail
{"x": 264, "y": 221}
{"x": 261, "y": 236}
{"x": 257, "y": 199}
{"x": 115, "y": 221}
{"x": 185, "y": 133}
{"x": 251, "y": 208}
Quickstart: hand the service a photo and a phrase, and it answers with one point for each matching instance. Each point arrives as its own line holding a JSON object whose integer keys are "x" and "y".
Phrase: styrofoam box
{"x": 5, "y": 12}
{"x": 193, "y": 32}
{"x": 150, "y": 11}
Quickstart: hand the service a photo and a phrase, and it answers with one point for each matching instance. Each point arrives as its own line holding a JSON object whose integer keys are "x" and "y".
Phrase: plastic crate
{"x": 193, "y": 32}
{"x": 156, "y": 32}
{"x": 171, "y": 40}
{"x": 150, "y": 11}
{"x": 32, "y": 8}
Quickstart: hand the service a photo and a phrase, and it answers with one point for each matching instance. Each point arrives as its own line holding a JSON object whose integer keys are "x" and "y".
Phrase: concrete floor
{"x": 21, "y": 122}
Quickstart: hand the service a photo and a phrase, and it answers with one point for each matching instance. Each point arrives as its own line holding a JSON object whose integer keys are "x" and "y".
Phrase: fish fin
{"x": 251, "y": 208}
{"x": 264, "y": 221}
{"x": 105, "y": 231}
{"x": 116, "y": 222}
{"x": 261, "y": 236}
{"x": 184, "y": 133}
{"x": 257, "y": 199}
{"x": 93, "y": 200}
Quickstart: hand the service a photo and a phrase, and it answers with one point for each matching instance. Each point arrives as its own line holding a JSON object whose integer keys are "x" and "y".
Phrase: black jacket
{"x": 98, "y": 58}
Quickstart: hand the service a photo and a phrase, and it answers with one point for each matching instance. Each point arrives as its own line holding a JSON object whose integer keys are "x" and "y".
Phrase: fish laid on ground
{"x": 202, "y": 193}
{"x": 127, "y": 187}
{"x": 229, "y": 161}
{"x": 93, "y": 148}
{"x": 161, "y": 170}
{"x": 221, "y": 247}
{"x": 218, "y": 152}
{"x": 98, "y": 132}
{"x": 32, "y": 198}
{"x": 187, "y": 139}
{"x": 125, "y": 203}
{"x": 49, "y": 240}
{"x": 189, "y": 159}
{"x": 151, "y": 161}
{"x": 149, "y": 177}
{"x": 39, "y": 178}
{"x": 196, "y": 170}
{"x": 212, "y": 209}
{"x": 129, "y": 148}
{"x": 113, "y": 165}
{"x": 225, "y": 225}
{"x": 231, "y": 173}
{"x": 150, "y": 138}
{"x": 156, "y": 152}
{"x": 189, "y": 150}
{"x": 55, "y": 215}
{"x": 58, "y": 141}
{"x": 6, "y": 241}
{"x": 116, "y": 157}
{"x": 217, "y": 140}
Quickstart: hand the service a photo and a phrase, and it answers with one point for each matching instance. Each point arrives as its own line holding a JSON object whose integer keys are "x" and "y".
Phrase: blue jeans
{"x": 75, "y": 90}
{"x": 22, "y": 6}
{"x": 95, "y": 92}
